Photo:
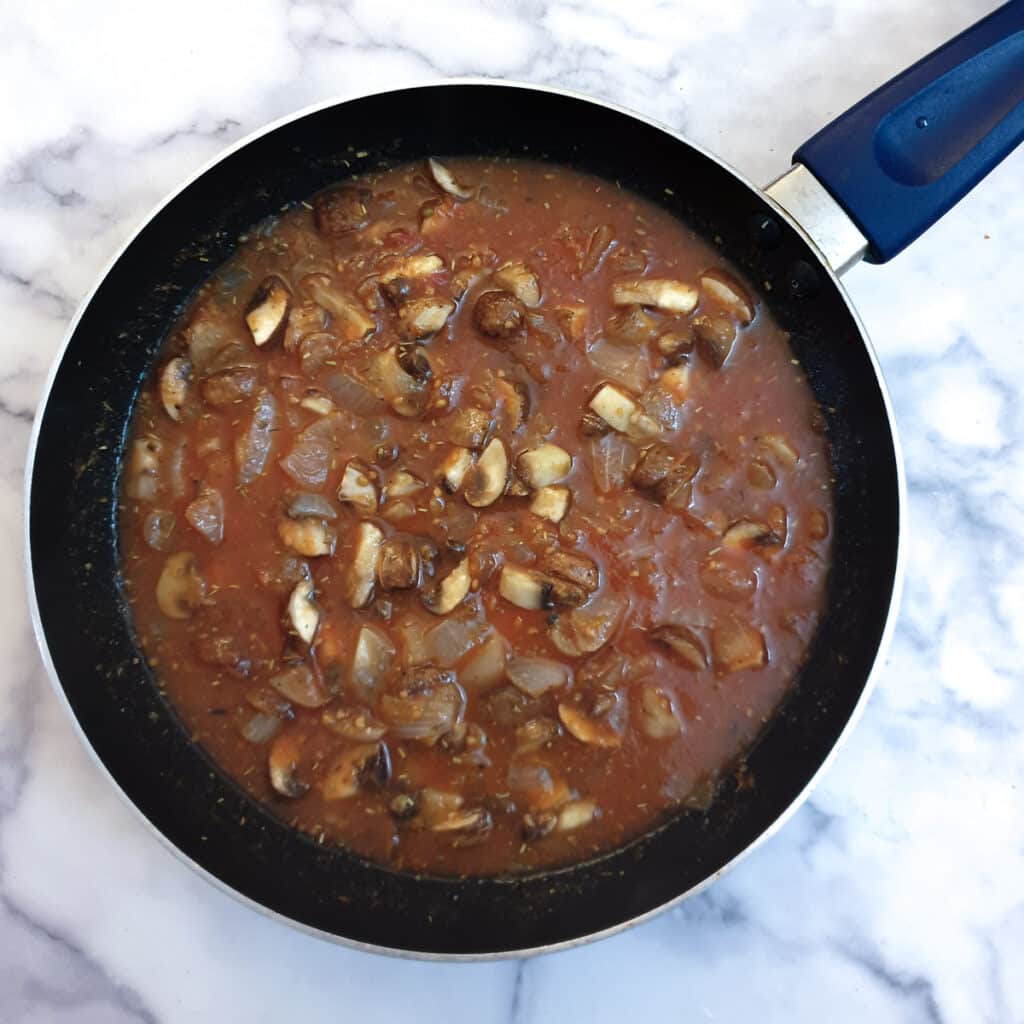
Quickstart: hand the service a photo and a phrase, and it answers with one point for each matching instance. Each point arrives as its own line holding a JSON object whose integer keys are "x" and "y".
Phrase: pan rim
{"x": 395, "y": 951}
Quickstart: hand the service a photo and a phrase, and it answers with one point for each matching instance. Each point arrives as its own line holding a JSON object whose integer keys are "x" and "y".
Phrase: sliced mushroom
{"x": 737, "y": 646}
{"x": 402, "y": 484}
{"x": 715, "y": 336}
{"x": 283, "y": 764}
{"x": 670, "y": 296}
{"x": 516, "y": 277}
{"x": 229, "y": 386}
{"x": 578, "y": 569}
{"x": 544, "y": 465}
{"x": 591, "y": 425}
{"x": 653, "y": 467}
{"x": 675, "y": 382}
{"x": 725, "y": 578}
{"x": 303, "y": 613}
{"x": 722, "y": 288}
{"x": 817, "y": 524}
{"x": 761, "y": 475}
{"x": 573, "y": 322}
{"x": 446, "y": 180}
{"x": 634, "y": 325}
{"x": 180, "y": 589}
{"x": 535, "y": 733}
{"x": 551, "y": 503}
{"x": 499, "y": 314}
{"x": 143, "y": 482}
{"x": 367, "y": 765}
{"x": 174, "y": 380}
{"x": 576, "y": 814}
{"x": 585, "y": 630}
{"x": 621, "y": 413}
{"x": 354, "y": 724}
{"x": 311, "y": 538}
{"x": 341, "y": 210}
{"x": 485, "y": 482}
{"x": 299, "y": 685}
{"x": 674, "y": 345}
{"x": 658, "y": 718}
{"x": 683, "y": 643}
{"x": 357, "y": 487}
{"x": 470, "y": 428}
{"x": 538, "y": 824}
{"x": 267, "y": 312}
{"x": 454, "y": 467}
{"x": 363, "y": 570}
{"x": 515, "y": 403}
{"x": 399, "y": 565}
{"x": 417, "y": 265}
{"x": 597, "y": 731}
{"x": 422, "y": 318}
{"x": 451, "y": 591}
{"x": 428, "y": 707}
{"x": 525, "y": 588}
{"x": 476, "y": 820}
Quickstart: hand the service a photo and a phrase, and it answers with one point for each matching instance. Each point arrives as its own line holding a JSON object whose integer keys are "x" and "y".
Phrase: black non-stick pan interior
{"x": 74, "y": 546}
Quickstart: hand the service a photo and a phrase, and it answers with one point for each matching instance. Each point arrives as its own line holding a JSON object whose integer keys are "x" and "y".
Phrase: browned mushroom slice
{"x": 357, "y": 487}
{"x": 303, "y": 613}
{"x": 778, "y": 446}
{"x": 551, "y": 503}
{"x": 471, "y": 820}
{"x": 423, "y": 318}
{"x": 535, "y": 733}
{"x": 363, "y": 570}
{"x": 595, "y": 730}
{"x": 174, "y": 380}
{"x": 684, "y": 644}
{"x": 450, "y": 592}
{"x": 573, "y": 322}
{"x": 299, "y": 685}
{"x": 305, "y": 318}
{"x": 544, "y": 465}
{"x": 516, "y": 277}
{"x": 229, "y": 386}
{"x": 446, "y": 180}
{"x": 715, "y": 335}
{"x": 417, "y": 265}
{"x": 485, "y": 482}
{"x": 737, "y": 646}
{"x": 454, "y": 467}
{"x": 350, "y": 323}
{"x": 670, "y": 296}
{"x": 653, "y": 467}
{"x": 745, "y": 534}
{"x": 469, "y": 427}
{"x": 356, "y": 724}
{"x": 576, "y": 814}
{"x": 817, "y": 524}
{"x": 311, "y": 538}
{"x": 724, "y": 290}
{"x": 180, "y": 589}
{"x": 498, "y": 314}
{"x": 591, "y": 425}
{"x": 658, "y": 718}
{"x": 578, "y": 569}
{"x": 674, "y": 344}
{"x": 341, "y": 210}
{"x": 514, "y": 399}
{"x": 634, "y": 325}
{"x": 283, "y": 765}
{"x": 267, "y": 312}
{"x": 402, "y": 484}
{"x": 399, "y": 565}
{"x": 585, "y": 630}
{"x": 365, "y": 766}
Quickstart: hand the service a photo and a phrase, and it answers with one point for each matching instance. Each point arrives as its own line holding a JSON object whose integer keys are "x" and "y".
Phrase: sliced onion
{"x": 206, "y": 514}
{"x": 535, "y": 676}
{"x": 307, "y": 463}
{"x": 253, "y": 447}
{"x": 352, "y": 395}
{"x": 588, "y": 629}
{"x": 423, "y": 716}
{"x": 528, "y": 776}
{"x": 453, "y": 639}
{"x": 372, "y": 659}
{"x": 157, "y": 528}
{"x": 415, "y": 650}
{"x": 487, "y": 665}
{"x": 628, "y": 365}
{"x": 305, "y": 505}
{"x": 261, "y": 728}
{"x": 612, "y": 459}
{"x": 659, "y": 405}
{"x": 299, "y": 685}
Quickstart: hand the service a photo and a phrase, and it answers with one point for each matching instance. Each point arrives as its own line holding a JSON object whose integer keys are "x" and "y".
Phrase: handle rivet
{"x": 803, "y": 280}
{"x": 765, "y": 231}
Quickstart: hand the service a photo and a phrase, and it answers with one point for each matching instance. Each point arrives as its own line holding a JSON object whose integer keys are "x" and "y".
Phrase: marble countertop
{"x": 895, "y": 893}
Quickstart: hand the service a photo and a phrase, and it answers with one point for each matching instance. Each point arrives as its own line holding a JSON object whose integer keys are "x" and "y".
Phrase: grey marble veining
{"x": 896, "y": 894}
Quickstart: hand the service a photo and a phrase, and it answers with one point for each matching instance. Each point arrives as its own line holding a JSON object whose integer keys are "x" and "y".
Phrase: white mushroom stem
{"x": 524, "y": 588}
{"x": 546, "y": 464}
{"x": 452, "y": 591}
{"x": 267, "y": 311}
{"x": 621, "y": 413}
{"x": 311, "y": 538}
{"x": 726, "y": 291}
{"x": 364, "y": 564}
{"x": 419, "y": 265}
{"x": 446, "y": 180}
{"x": 551, "y": 503}
{"x": 576, "y": 814}
{"x": 303, "y": 612}
{"x": 520, "y": 280}
{"x": 663, "y": 294}
{"x": 402, "y": 484}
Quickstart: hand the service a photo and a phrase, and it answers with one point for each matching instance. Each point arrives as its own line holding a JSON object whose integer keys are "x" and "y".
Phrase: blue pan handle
{"x": 902, "y": 157}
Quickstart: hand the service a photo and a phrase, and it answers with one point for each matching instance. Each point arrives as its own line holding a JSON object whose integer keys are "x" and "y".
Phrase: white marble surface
{"x": 895, "y": 894}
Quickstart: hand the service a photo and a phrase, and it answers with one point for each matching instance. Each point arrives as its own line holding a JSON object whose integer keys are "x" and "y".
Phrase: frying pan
{"x": 864, "y": 187}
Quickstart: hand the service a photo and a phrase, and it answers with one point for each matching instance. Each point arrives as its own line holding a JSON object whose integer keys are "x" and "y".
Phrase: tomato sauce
{"x": 475, "y": 516}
